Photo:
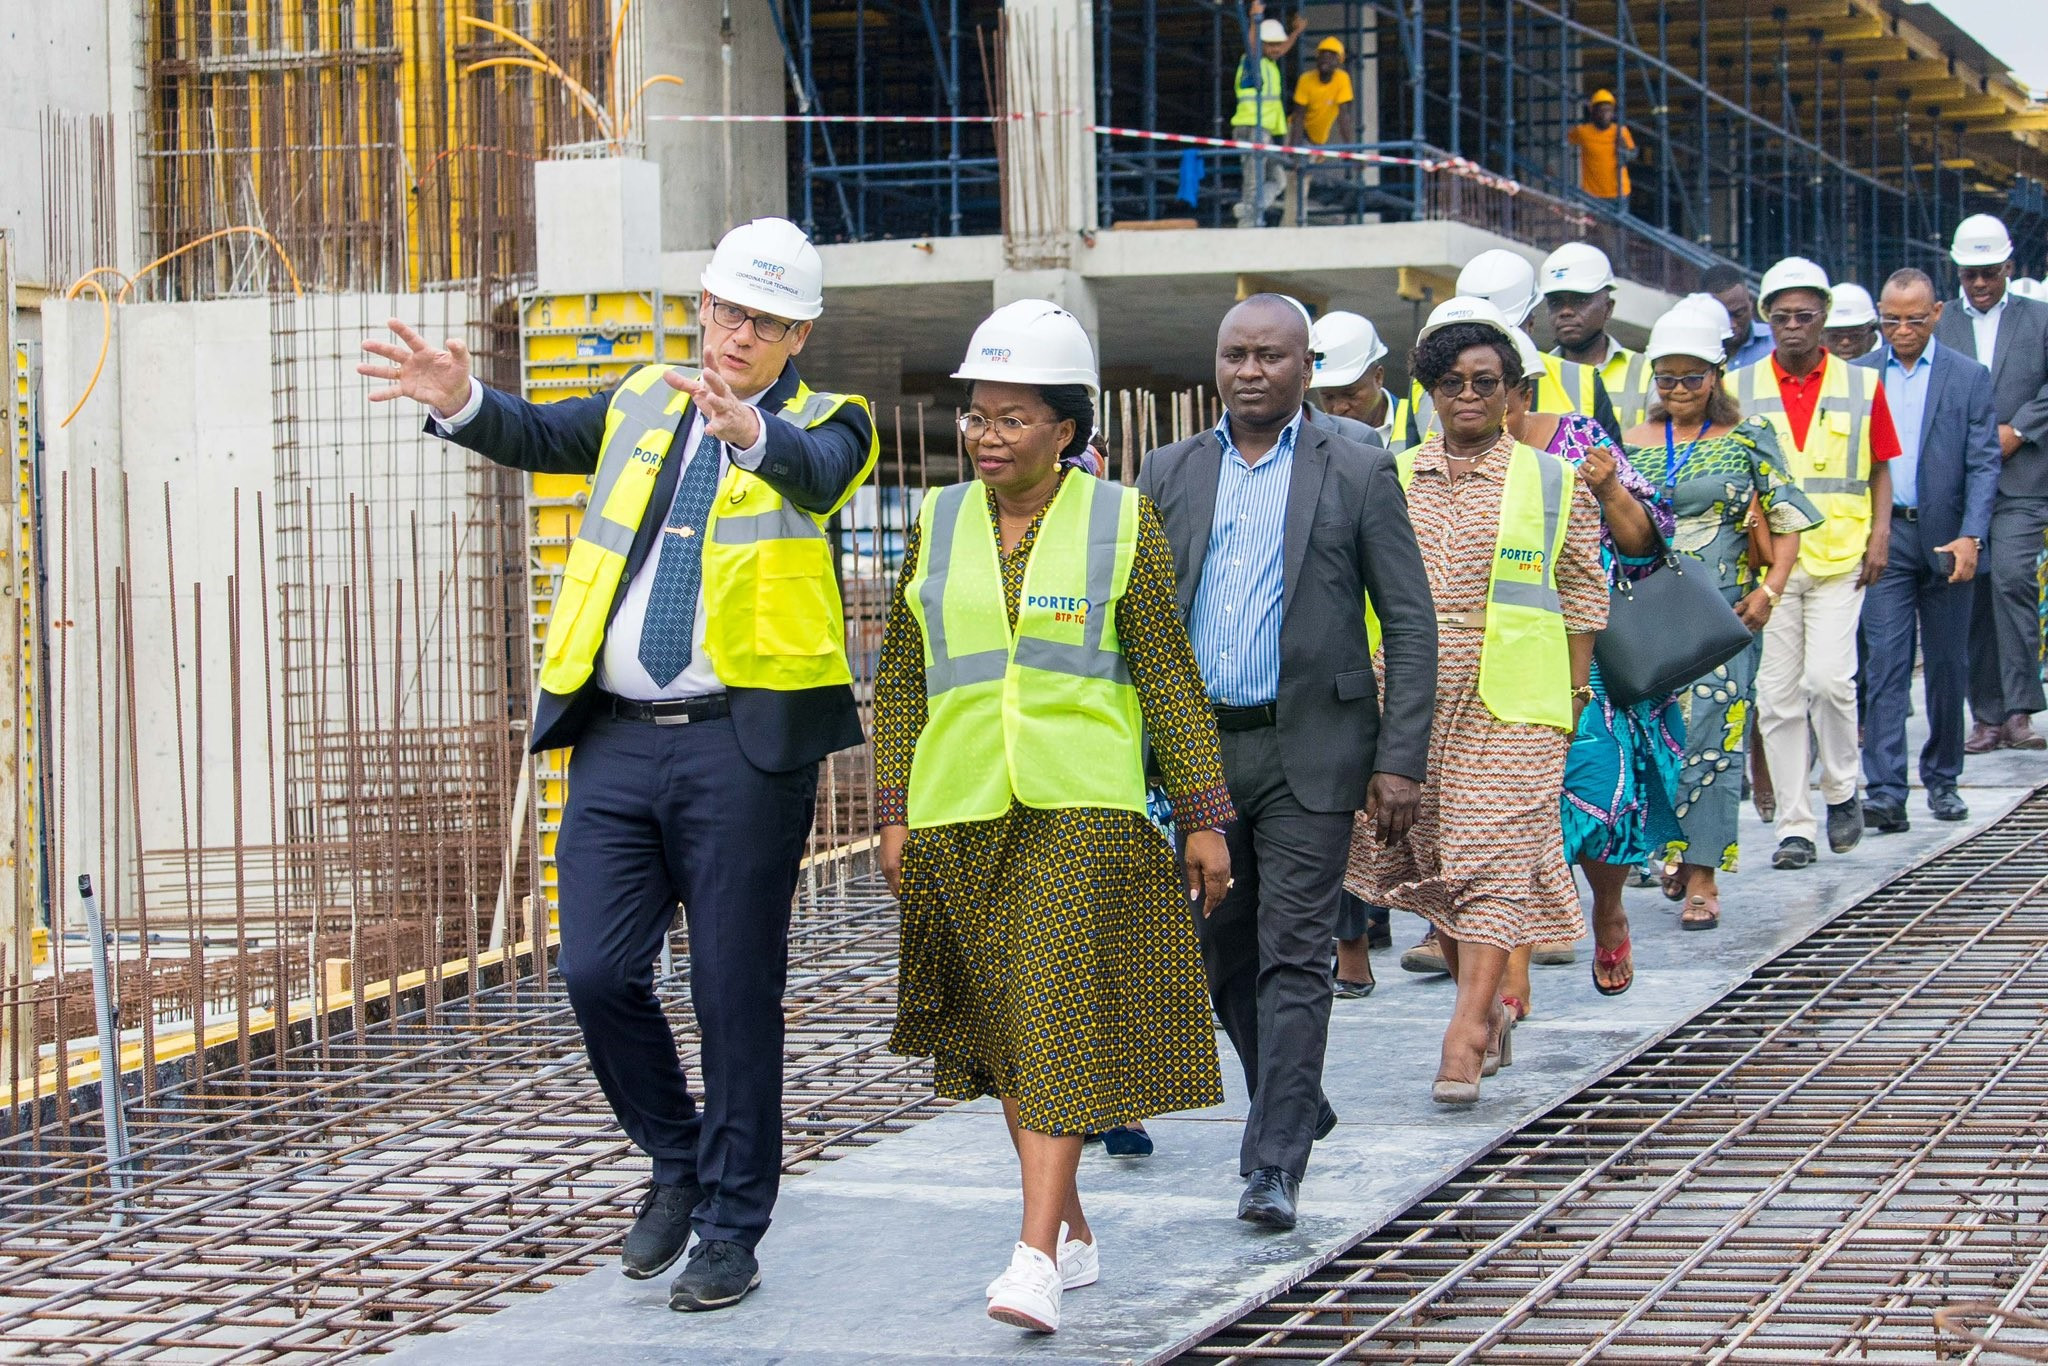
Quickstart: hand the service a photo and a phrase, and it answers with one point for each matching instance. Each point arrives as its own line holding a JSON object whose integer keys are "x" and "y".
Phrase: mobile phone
{"x": 1945, "y": 561}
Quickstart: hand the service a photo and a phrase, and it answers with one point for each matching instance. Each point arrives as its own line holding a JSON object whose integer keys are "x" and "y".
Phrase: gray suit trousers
{"x": 2005, "y": 619}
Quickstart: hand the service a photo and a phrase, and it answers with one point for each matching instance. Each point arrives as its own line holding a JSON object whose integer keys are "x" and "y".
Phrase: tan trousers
{"x": 1808, "y": 673}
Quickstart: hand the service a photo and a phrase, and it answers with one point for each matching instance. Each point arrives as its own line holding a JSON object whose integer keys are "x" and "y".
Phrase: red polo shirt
{"x": 1801, "y": 396}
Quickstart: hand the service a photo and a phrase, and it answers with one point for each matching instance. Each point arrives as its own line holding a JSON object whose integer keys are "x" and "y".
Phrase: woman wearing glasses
{"x": 1034, "y": 648}
{"x": 1510, "y": 540}
{"x": 1716, "y": 473}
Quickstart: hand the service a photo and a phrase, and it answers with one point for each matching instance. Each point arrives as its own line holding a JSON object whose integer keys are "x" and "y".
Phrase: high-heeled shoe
{"x": 1445, "y": 1091}
{"x": 1500, "y": 1041}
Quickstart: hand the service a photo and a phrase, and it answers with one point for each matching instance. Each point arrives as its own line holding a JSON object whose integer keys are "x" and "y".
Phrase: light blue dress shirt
{"x": 1235, "y": 625}
{"x": 1759, "y": 345}
{"x": 1905, "y": 392}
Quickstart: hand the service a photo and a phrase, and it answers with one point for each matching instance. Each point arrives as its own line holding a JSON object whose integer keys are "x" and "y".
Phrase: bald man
{"x": 1279, "y": 530}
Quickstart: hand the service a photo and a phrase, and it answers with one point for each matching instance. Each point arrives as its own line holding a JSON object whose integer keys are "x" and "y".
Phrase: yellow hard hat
{"x": 1602, "y": 97}
{"x": 1333, "y": 44}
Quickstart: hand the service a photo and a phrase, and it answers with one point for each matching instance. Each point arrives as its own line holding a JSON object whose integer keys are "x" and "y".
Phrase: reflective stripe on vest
{"x": 1055, "y": 695}
{"x": 1631, "y": 398}
{"x": 1833, "y": 469}
{"x": 1525, "y": 672}
{"x": 772, "y": 612}
{"x": 1573, "y": 383}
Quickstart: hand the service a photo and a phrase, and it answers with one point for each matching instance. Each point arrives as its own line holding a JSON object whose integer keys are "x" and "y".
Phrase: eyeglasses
{"x": 732, "y": 317}
{"x": 1692, "y": 383}
{"x": 1980, "y": 274}
{"x": 974, "y": 427}
{"x": 1890, "y": 322}
{"x": 1450, "y": 386}
{"x": 1804, "y": 317}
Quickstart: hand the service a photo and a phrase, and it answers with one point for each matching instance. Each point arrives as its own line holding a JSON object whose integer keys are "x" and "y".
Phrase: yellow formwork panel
{"x": 571, "y": 345}
{"x": 28, "y": 618}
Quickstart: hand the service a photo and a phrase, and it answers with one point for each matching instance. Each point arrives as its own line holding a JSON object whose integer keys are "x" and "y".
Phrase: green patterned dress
{"x": 1049, "y": 956}
{"x": 1710, "y": 499}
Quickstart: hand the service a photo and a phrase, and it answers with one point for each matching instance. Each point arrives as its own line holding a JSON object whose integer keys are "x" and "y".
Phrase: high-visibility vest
{"x": 1570, "y": 390}
{"x": 772, "y": 616}
{"x": 1048, "y": 713}
{"x": 1834, "y": 467}
{"x": 1260, "y": 105}
{"x": 1628, "y": 379}
{"x": 1525, "y": 663}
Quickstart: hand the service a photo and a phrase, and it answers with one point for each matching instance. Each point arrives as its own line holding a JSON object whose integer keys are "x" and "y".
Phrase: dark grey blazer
{"x": 1956, "y": 479}
{"x": 1346, "y": 535}
{"x": 2019, "y": 384}
{"x": 1350, "y": 427}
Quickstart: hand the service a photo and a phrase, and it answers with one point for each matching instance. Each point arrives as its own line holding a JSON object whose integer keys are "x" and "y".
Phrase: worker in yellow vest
{"x": 1836, "y": 430}
{"x": 1260, "y": 114}
{"x": 695, "y": 657}
{"x": 1578, "y": 295}
{"x": 1034, "y": 650}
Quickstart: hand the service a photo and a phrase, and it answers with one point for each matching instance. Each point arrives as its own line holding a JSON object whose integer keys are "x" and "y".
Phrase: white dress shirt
{"x": 620, "y": 671}
{"x": 1984, "y": 326}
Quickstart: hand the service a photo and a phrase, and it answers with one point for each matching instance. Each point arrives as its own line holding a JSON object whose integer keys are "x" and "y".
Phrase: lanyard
{"x": 1671, "y": 470}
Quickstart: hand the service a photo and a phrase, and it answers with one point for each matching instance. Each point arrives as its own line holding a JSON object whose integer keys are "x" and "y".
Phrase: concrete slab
{"x": 881, "y": 1257}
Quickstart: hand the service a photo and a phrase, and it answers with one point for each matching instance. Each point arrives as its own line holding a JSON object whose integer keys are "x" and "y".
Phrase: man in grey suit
{"x": 1280, "y": 529}
{"x": 1943, "y": 482}
{"x": 2009, "y": 335}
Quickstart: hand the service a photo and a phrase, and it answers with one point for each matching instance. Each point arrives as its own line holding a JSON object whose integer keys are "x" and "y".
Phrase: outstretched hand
{"x": 437, "y": 376}
{"x": 727, "y": 416}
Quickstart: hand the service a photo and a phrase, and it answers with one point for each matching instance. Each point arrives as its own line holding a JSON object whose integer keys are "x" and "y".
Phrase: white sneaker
{"x": 1080, "y": 1264}
{"x": 1028, "y": 1294}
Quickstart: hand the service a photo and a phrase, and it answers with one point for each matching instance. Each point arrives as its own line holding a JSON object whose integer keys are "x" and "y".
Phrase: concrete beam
{"x": 714, "y": 175}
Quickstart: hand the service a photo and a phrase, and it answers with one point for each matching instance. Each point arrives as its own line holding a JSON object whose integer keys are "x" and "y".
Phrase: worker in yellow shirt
{"x": 1322, "y": 113}
{"x": 1605, "y": 149}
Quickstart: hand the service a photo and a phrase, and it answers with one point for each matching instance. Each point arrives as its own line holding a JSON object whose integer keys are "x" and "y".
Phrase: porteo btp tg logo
{"x": 1063, "y": 608}
{"x": 769, "y": 269}
{"x": 999, "y": 354}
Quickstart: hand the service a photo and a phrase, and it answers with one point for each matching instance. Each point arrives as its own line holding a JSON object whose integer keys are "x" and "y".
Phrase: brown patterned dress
{"x": 1049, "y": 956}
{"x": 1485, "y": 859}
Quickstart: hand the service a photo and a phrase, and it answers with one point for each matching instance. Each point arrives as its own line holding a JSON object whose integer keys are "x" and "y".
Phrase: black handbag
{"x": 1666, "y": 629}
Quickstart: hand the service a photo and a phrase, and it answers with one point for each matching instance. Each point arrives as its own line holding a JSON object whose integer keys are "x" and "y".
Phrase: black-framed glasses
{"x": 1798, "y": 317}
{"x": 1450, "y": 386}
{"x": 974, "y": 426}
{"x": 1982, "y": 274}
{"x": 1692, "y": 383}
{"x": 732, "y": 318}
{"x": 1892, "y": 321}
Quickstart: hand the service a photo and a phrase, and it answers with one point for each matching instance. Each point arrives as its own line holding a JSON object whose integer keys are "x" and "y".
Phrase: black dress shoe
{"x": 661, "y": 1231}
{"x": 1946, "y": 805}
{"x": 1794, "y": 852}
{"x": 1268, "y": 1198}
{"x": 1326, "y": 1120}
{"x": 720, "y": 1273}
{"x": 1845, "y": 825}
{"x": 1885, "y": 820}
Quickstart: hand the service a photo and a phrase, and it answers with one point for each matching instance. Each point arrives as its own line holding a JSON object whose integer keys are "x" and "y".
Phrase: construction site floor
{"x": 882, "y": 1256}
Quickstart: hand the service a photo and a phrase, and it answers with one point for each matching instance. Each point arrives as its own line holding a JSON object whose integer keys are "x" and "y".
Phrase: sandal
{"x": 1610, "y": 959}
{"x": 1690, "y": 920}
{"x": 1674, "y": 882}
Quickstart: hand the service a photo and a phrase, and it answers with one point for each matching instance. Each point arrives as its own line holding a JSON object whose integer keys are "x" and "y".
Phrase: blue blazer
{"x": 1957, "y": 477}
{"x": 777, "y": 731}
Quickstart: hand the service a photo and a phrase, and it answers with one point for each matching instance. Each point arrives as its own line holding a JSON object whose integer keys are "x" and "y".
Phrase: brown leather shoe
{"x": 1983, "y": 738}
{"x": 2019, "y": 733}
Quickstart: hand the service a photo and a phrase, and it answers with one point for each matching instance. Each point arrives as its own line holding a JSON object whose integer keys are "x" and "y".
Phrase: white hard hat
{"x": 1709, "y": 308}
{"x": 2027, "y": 288}
{"x": 1526, "y": 348}
{"x": 1794, "y": 272}
{"x": 1464, "y": 310}
{"x": 1577, "y": 268}
{"x": 1687, "y": 331}
{"x": 1981, "y": 240}
{"x": 1346, "y": 346}
{"x": 769, "y": 265}
{"x": 1270, "y": 31}
{"x": 1851, "y": 306}
{"x": 1030, "y": 341}
{"x": 1504, "y": 279}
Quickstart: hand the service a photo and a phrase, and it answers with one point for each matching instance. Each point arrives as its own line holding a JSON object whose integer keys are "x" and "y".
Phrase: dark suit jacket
{"x": 777, "y": 731}
{"x": 1956, "y": 480}
{"x": 1349, "y": 427}
{"x": 2019, "y": 384}
{"x": 1347, "y": 534}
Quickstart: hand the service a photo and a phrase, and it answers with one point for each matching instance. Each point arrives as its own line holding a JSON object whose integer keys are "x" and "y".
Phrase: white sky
{"x": 2023, "y": 46}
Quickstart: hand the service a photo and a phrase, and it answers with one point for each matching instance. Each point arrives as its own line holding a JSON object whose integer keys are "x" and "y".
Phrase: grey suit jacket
{"x": 1349, "y": 427}
{"x": 2019, "y": 384}
{"x": 1956, "y": 478}
{"x": 1346, "y": 535}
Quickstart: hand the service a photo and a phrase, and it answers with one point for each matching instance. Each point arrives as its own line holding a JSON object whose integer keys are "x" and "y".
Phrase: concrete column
{"x": 597, "y": 225}
{"x": 1049, "y": 79}
{"x": 714, "y": 175}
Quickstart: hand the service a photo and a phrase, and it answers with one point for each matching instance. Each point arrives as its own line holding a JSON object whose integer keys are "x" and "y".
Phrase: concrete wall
{"x": 702, "y": 194}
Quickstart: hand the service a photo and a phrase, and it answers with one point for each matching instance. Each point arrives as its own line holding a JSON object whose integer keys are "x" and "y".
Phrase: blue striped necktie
{"x": 667, "y": 630}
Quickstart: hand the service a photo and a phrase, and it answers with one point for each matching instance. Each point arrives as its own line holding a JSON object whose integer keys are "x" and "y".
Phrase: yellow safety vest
{"x": 772, "y": 616}
{"x": 1627, "y": 376}
{"x": 1047, "y": 714}
{"x": 1525, "y": 664}
{"x": 1834, "y": 468}
{"x": 1570, "y": 391}
{"x": 1260, "y": 105}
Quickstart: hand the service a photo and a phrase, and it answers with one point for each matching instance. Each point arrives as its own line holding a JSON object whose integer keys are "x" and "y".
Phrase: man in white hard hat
{"x": 1349, "y": 382}
{"x": 2008, "y": 335}
{"x": 700, "y": 690}
{"x": 1835, "y": 431}
{"x": 1751, "y": 335}
{"x": 1279, "y": 532}
{"x": 1578, "y": 293}
{"x": 1850, "y": 332}
{"x": 1261, "y": 113}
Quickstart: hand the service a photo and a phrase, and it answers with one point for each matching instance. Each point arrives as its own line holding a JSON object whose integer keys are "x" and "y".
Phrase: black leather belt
{"x": 678, "y": 713}
{"x": 1902, "y": 513}
{"x": 1246, "y": 718}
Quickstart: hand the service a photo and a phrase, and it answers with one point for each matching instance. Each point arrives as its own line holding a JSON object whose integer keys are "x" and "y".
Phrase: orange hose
{"x": 275, "y": 245}
{"x": 634, "y": 103}
{"x": 106, "y": 334}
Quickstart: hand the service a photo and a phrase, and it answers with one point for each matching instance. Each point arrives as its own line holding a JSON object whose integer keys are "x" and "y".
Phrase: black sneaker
{"x": 662, "y": 1229}
{"x": 1880, "y": 819}
{"x": 1794, "y": 852}
{"x": 1845, "y": 825}
{"x": 720, "y": 1273}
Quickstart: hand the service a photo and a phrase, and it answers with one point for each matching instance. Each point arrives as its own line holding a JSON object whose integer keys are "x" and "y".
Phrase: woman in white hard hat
{"x": 1514, "y": 570}
{"x": 1034, "y": 648}
{"x": 1715, "y": 472}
